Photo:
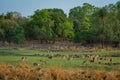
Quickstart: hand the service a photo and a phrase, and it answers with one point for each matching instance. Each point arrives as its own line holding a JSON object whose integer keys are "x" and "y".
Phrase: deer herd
{"x": 87, "y": 59}
{"x": 90, "y": 58}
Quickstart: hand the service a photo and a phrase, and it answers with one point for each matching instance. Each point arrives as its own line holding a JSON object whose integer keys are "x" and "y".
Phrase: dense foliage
{"x": 84, "y": 24}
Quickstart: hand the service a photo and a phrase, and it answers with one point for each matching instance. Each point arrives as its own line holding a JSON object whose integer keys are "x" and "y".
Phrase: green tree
{"x": 13, "y": 32}
{"x": 102, "y": 13}
{"x": 81, "y": 18}
{"x": 65, "y": 30}
{"x": 18, "y": 35}
{"x": 59, "y": 17}
{"x": 42, "y": 24}
{"x": 51, "y": 24}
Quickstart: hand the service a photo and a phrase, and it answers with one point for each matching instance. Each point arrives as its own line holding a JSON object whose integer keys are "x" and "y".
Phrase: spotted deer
{"x": 23, "y": 58}
{"x": 36, "y": 64}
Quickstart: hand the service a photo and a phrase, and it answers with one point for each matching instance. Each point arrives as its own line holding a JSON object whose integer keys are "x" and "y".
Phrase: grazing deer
{"x": 100, "y": 58}
{"x": 85, "y": 62}
{"x": 97, "y": 56}
{"x": 70, "y": 58}
{"x": 43, "y": 61}
{"x": 36, "y": 64}
{"x": 92, "y": 60}
{"x": 110, "y": 60}
{"x": 23, "y": 59}
{"x": 84, "y": 56}
{"x": 63, "y": 56}
{"x": 50, "y": 57}
{"x": 99, "y": 62}
{"x": 89, "y": 56}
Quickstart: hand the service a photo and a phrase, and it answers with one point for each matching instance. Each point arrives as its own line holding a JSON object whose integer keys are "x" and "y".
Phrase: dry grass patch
{"x": 26, "y": 72}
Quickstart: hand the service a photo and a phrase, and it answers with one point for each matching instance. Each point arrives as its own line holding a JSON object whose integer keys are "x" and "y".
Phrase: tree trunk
{"x": 103, "y": 34}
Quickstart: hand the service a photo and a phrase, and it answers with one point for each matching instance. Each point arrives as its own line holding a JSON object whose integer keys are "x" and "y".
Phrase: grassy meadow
{"x": 38, "y": 65}
{"x": 11, "y": 55}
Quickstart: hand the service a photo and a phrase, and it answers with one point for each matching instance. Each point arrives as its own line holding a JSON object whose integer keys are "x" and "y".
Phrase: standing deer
{"x": 36, "y": 64}
{"x": 85, "y": 62}
{"x": 23, "y": 58}
{"x": 70, "y": 58}
{"x": 110, "y": 60}
{"x": 43, "y": 61}
{"x": 50, "y": 57}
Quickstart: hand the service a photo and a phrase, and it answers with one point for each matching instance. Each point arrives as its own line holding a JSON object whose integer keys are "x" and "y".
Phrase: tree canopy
{"x": 84, "y": 24}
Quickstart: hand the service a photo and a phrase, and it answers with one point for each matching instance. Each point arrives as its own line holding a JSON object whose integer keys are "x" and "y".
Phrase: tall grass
{"x": 26, "y": 72}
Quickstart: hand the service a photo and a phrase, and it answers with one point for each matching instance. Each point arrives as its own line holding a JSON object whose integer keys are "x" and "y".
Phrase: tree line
{"x": 85, "y": 24}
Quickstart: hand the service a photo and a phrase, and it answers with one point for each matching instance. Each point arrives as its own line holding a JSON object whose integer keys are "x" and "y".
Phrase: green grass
{"x": 24, "y": 51}
{"x": 10, "y": 60}
{"x": 56, "y": 62}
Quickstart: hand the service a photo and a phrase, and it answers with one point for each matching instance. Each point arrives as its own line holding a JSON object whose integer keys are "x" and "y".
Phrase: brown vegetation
{"x": 26, "y": 72}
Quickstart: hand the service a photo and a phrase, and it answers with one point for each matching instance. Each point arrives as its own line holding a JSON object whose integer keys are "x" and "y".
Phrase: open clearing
{"x": 26, "y": 64}
{"x": 10, "y": 55}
